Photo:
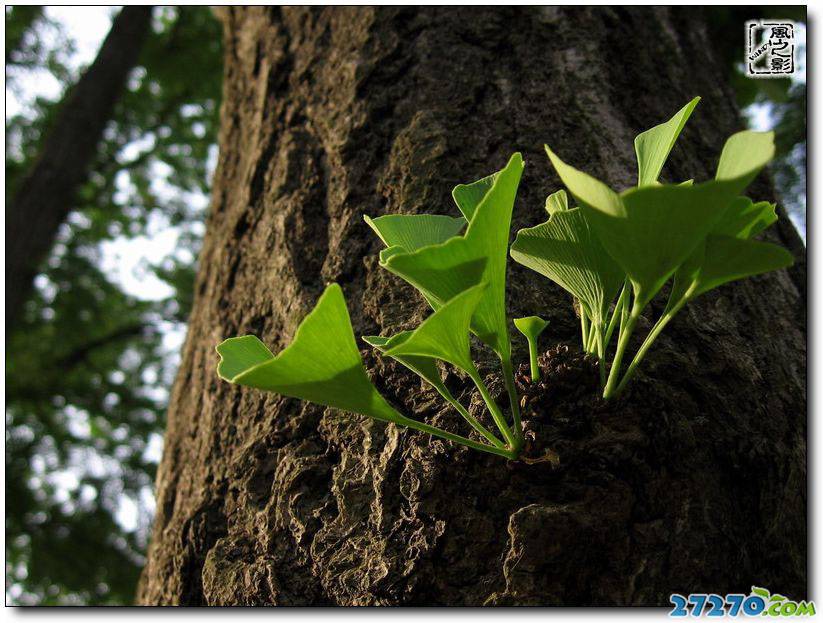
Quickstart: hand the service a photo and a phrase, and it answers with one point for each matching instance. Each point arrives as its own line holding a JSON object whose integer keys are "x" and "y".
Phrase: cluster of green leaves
{"x": 629, "y": 245}
{"x": 613, "y": 253}
{"x": 88, "y": 367}
{"x": 463, "y": 278}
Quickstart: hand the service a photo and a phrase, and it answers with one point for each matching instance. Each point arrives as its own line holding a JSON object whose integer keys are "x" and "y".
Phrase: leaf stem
{"x": 497, "y": 415}
{"x": 438, "y": 432}
{"x": 617, "y": 314}
{"x": 593, "y": 331}
{"x": 665, "y": 318}
{"x": 584, "y": 326}
{"x": 511, "y": 389}
{"x": 534, "y": 368}
{"x": 601, "y": 354}
{"x": 627, "y": 325}
{"x": 475, "y": 424}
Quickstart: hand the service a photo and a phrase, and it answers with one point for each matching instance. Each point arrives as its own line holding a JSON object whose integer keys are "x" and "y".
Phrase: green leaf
{"x": 445, "y": 334}
{"x": 745, "y": 219}
{"x": 654, "y": 146}
{"x": 469, "y": 196}
{"x": 443, "y": 271}
{"x": 531, "y": 326}
{"x": 425, "y": 367}
{"x": 729, "y": 259}
{"x": 410, "y": 232}
{"x": 385, "y": 254}
{"x": 742, "y": 219}
{"x": 652, "y": 230}
{"x": 565, "y": 250}
{"x": 744, "y": 154}
{"x": 557, "y": 202}
{"x": 321, "y": 365}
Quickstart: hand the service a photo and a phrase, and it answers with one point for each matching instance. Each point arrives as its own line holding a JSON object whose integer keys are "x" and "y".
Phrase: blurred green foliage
{"x": 88, "y": 368}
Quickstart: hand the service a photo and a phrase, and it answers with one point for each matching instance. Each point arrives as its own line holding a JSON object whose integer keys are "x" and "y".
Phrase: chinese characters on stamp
{"x": 769, "y": 48}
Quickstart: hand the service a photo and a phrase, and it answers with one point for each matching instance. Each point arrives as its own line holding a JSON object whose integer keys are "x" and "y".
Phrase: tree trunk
{"x": 695, "y": 481}
{"x": 45, "y": 196}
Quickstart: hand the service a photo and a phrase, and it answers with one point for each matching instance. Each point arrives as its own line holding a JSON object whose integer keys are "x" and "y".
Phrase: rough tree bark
{"x": 44, "y": 198}
{"x": 695, "y": 481}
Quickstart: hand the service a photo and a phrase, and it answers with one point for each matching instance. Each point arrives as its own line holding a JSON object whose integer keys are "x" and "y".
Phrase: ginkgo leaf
{"x": 654, "y": 145}
{"x": 557, "y": 202}
{"x": 425, "y": 367}
{"x": 745, "y": 219}
{"x": 744, "y": 154}
{"x": 468, "y": 196}
{"x": 445, "y": 334}
{"x": 650, "y": 231}
{"x": 565, "y": 250}
{"x": 722, "y": 259}
{"x": 443, "y": 271}
{"x": 410, "y": 232}
{"x": 729, "y": 259}
{"x": 742, "y": 219}
{"x": 321, "y": 365}
{"x": 439, "y": 275}
{"x": 531, "y": 327}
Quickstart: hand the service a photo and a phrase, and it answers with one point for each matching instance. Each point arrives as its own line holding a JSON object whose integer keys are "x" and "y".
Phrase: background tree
{"x": 42, "y": 199}
{"x": 695, "y": 481}
{"x": 89, "y": 360}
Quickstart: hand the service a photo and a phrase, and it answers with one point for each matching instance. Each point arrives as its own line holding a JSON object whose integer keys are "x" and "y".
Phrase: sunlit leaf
{"x": 531, "y": 326}
{"x": 650, "y": 231}
{"x": 445, "y": 334}
{"x": 557, "y": 202}
{"x": 410, "y": 232}
{"x": 468, "y": 196}
{"x": 744, "y": 154}
{"x": 742, "y": 219}
{"x": 425, "y": 367}
{"x": 445, "y": 270}
{"x": 321, "y": 365}
{"x": 745, "y": 219}
{"x": 729, "y": 259}
{"x": 565, "y": 250}
{"x": 654, "y": 145}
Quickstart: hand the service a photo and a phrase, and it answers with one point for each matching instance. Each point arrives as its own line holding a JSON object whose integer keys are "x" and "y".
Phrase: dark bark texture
{"x": 694, "y": 481}
{"x": 44, "y": 198}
